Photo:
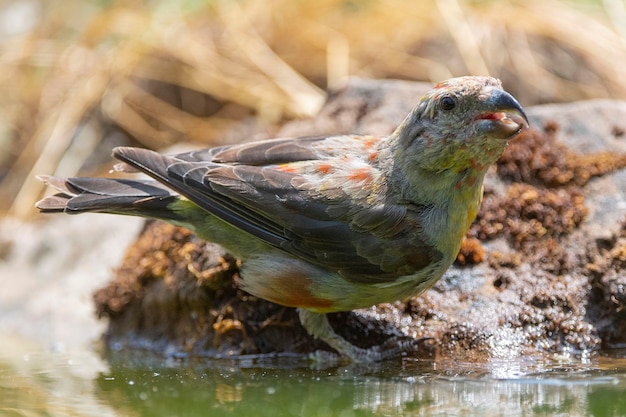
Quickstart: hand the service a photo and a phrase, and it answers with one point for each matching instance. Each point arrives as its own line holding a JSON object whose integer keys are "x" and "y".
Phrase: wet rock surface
{"x": 542, "y": 269}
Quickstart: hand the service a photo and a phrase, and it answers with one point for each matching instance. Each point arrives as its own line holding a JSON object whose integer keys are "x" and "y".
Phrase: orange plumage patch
{"x": 361, "y": 174}
{"x": 324, "y": 168}
{"x": 370, "y": 141}
{"x": 290, "y": 288}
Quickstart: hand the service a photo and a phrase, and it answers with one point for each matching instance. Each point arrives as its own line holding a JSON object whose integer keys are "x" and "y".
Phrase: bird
{"x": 326, "y": 223}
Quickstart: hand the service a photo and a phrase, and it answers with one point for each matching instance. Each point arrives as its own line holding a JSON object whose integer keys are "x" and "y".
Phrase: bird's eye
{"x": 447, "y": 103}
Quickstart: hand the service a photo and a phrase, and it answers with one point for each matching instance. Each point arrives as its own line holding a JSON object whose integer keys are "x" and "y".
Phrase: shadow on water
{"x": 137, "y": 384}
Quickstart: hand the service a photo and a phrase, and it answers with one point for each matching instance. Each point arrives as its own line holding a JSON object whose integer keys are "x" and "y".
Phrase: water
{"x": 54, "y": 382}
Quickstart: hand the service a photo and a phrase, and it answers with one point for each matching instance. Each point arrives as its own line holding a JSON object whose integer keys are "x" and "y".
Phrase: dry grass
{"x": 82, "y": 77}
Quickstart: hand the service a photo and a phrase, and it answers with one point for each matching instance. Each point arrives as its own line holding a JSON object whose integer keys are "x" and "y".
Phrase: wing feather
{"x": 263, "y": 152}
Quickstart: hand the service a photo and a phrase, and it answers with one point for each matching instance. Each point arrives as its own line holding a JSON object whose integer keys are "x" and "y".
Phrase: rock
{"x": 585, "y": 126}
{"x": 546, "y": 274}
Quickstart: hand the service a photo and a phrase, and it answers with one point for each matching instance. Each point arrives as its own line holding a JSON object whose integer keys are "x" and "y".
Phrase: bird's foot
{"x": 317, "y": 325}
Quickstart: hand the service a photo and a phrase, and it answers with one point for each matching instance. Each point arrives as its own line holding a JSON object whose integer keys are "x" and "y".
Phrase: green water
{"x": 83, "y": 383}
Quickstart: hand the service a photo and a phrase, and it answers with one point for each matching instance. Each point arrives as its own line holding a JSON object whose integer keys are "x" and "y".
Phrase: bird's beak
{"x": 505, "y": 117}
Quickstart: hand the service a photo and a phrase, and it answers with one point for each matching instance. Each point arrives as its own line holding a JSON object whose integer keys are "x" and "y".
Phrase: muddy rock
{"x": 541, "y": 270}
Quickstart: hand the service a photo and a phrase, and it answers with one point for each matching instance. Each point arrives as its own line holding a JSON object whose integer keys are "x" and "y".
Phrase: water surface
{"x": 45, "y": 382}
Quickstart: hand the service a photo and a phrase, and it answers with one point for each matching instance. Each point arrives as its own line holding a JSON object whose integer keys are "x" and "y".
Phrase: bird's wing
{"x": 265, "y": 152}
{"x": 340, "y": 223}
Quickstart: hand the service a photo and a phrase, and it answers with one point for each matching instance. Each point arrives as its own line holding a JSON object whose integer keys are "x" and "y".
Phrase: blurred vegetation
{"x": 79, "y": 77}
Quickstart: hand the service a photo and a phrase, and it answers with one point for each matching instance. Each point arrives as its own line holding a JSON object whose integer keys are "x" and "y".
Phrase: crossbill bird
{"x": 327, "y": 224}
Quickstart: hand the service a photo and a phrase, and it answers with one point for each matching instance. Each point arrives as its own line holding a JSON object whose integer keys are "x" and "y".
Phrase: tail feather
{"x": 108, "y": 195}
{"x": 52, "y": 203}
{"x": 120, "y": 196}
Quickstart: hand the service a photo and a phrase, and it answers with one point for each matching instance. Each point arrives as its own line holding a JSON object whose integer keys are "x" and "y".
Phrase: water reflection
{"x": 410, "y": 388}
{"x": 139, "y": 385}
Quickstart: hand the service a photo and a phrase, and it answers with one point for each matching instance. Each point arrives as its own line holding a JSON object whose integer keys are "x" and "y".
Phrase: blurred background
{"x": 78, "y": 77}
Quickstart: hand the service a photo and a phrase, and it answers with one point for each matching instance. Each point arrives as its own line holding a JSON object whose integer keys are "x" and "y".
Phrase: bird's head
{"x": 462, "y": 123}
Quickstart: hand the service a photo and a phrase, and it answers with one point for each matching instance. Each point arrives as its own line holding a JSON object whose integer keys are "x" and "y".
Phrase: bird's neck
{"x": 454, "y": 199}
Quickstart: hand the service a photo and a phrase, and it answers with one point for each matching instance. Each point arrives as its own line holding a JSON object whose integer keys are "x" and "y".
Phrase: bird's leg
{"x": 317, "y": 325}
